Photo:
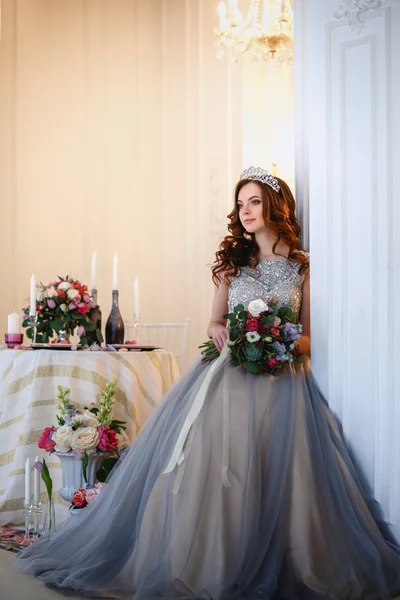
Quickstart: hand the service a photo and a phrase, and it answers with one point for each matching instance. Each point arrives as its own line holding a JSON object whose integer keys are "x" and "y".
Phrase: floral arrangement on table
{"x": 83, "y": 432}
{"x": 262, "y": 339}
{"x": 65, "y": 304}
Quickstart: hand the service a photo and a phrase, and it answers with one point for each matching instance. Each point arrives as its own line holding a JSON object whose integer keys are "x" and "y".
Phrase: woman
{"x": 239, "y": 486}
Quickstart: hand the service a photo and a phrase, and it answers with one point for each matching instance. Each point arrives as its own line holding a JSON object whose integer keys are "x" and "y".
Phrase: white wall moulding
{"x": 355, "y": 11}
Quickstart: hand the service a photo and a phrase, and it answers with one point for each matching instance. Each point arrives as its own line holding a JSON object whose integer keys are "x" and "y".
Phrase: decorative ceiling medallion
{"x": 355, "y": 11}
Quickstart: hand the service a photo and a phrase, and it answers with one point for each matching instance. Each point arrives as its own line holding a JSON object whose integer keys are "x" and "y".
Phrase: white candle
{"x": 32, "y": 310}
{"x": 222, "y": 16}
{"x": 14, "y": 323}
{"x": 94, "y": 265}
{"x": 36, "y": 484}
{"x": 136, "y": 305}
{"x": 28, "y": 482}
{"x": 115, "y": 272}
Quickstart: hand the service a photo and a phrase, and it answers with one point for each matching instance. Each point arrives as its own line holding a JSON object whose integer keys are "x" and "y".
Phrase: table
{"x": 28, "y": 391}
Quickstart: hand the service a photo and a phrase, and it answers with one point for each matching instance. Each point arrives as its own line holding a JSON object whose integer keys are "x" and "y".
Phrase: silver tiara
{"x": 261, "y": 175}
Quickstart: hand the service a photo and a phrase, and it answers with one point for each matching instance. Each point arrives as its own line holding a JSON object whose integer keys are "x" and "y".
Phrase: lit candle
{"x": 32, "y": 310}
{"x": 28, "y": 482}
{"x": 14, "y": 323}
{"x": 115, "y": 272}
{"x": 94, "y": 265}
{"x": 36, "y": 484}
{"x": 136, "y": 305}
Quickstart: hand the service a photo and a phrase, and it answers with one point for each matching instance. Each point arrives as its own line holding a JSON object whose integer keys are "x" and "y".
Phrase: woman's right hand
{"x": 219, "y": 335}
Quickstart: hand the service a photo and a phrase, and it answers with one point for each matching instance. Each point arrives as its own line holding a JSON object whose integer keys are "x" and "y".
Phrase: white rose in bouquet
{"x": 64, "y": 285}
{"x": 40, "y": 296}
{"x": 256, "y": 307}
{"x": 51, "y": 292}
{"x": 90, "y": 418}
{"x": 77, "y": 421}
{"x": 62, "y": 438}
{"x": 72, "y": 293}
{"x": 64, "y": 308}
{"x": 85, "y": 439}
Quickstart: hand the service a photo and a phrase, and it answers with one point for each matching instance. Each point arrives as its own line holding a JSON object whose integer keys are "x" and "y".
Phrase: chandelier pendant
{"x": 266, "y": 31}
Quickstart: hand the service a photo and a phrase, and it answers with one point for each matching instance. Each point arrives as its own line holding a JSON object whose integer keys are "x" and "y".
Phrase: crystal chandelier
{"x": 266, "y": 31}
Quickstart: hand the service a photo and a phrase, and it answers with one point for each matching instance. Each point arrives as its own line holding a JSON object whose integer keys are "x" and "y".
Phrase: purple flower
{"x": 51, "y": 303}
{"x": 289, "y": 332}
{"x": 38, "y": 465}
{"x": 77, "y": 453}
{"x": 81, "y": 331}
{"x": 280, "y": 348}
{"x": 94, "y": 347}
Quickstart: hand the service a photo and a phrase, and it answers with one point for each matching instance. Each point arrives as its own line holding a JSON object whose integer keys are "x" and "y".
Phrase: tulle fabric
{"x": 292, "y": 522}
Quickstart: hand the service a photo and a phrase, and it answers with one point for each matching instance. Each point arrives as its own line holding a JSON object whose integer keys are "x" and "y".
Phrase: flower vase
{"x": 49, "y": 520}
{"x": 72, "y": 474}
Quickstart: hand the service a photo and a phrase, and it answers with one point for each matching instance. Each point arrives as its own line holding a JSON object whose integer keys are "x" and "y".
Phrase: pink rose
{"x": 86, "y": 298}
{"x": 272, "y": 362}
{"x": 45, "y": 442}
{"x": 252, "y": 325}
{"x": 71, "y": 306}
{"x": 51, "y": 303}
{"x": 94, "y": 319}
{"x": 91, "y": 495}
{"x": 77, "y": 299}
{"x": 92, "y": 304}
{"x": 107, "y": 439}
{"x": 79, "y": 498}
{"x": 81, "y": 331}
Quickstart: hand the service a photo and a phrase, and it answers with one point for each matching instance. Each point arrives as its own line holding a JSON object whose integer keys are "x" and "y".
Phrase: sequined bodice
{"x": 277, "y": 279}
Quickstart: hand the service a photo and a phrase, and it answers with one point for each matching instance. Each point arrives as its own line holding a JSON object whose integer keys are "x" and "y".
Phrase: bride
{"x": 239, "y": 486}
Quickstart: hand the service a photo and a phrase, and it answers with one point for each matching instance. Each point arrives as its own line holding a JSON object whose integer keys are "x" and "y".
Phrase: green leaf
{"x": 85, "y": 462}
{"x": 105, "y": 469}
{"x": 234, "y": 334}
{"x": 84, "y": 340}
{"x": 47, "y": 479}
{"x": 242, "y": 315}
{"x": 286, "y": 314}
{"x": 45, "y": 337}
{"x": 99, "y": 336}
{"x": 251, "y": 367}
{"x": 239, "y": 308}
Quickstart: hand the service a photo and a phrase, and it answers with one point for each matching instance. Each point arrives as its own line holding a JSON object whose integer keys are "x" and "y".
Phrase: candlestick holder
{"x": 36, "y": 509}
{"x": 13, "y": 339}
{"x": 33, "y": 322}
{"x": 135, "y": 324}
{"x": 27, "y": 512}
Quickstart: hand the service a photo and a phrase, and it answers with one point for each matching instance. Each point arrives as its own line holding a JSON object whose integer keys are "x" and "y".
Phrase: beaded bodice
{"x": 277, "y": 279}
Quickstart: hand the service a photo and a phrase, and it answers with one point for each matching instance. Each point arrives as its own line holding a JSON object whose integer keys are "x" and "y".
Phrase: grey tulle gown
{"x": 266, "y": 502}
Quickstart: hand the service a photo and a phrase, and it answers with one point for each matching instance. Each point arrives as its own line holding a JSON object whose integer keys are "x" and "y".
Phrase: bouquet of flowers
{"x": 87, "y": 495}
{"x": 65, "y": 304}
{"x": 86, "y": 431}
{"x": 262, "y": 339}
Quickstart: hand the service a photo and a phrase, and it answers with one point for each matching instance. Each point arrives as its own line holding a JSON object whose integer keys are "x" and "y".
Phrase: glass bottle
{"x": 115, "y": 329}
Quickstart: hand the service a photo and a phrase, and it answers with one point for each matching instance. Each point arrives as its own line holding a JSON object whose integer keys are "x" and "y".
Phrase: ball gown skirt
{"x": 267, "y": 504}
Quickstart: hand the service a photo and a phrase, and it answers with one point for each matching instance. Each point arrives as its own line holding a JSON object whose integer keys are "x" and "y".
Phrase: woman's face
{"x": 250, "y": 208}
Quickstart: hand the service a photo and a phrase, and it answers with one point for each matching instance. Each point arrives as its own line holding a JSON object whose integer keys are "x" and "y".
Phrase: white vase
{"x": 72, "y": 475}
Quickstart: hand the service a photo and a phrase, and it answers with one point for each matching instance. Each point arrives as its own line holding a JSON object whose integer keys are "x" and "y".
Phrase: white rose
{"x": 40, "y": 296}
{"x": 62, "y": 438}
{"x": 277, "y": 322}
{"x": 256, "y": 307}
{"x": 85, "y": 439}
{"x": 72, "y": 293}
{"x": 77, "y": 421}
{"x": 64, "y": 308}
{"x": 64, "y": 285}
{"x": 90, "y": 418}
{"x": 252, "y": 336}
{"x": 51, "y": 292}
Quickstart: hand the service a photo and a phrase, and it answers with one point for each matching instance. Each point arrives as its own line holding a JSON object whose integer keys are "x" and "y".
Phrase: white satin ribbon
{"x": 177, "y": 456}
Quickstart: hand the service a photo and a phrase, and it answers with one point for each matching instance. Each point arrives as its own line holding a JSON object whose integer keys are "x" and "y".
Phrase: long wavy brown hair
{"x": 240, "y": 249}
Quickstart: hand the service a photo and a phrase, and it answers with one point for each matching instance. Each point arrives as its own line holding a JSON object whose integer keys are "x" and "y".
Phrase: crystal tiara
{"x": 261, "y": 175}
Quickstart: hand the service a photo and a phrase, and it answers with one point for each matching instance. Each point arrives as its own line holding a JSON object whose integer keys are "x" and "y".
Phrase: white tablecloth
{"x": 28, "y": 391}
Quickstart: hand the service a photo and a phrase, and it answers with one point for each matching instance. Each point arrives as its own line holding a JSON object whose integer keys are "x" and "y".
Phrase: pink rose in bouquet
{"x": 79, "y": 498}
{"x": 252, "y": 324}
{"x": 91, "y": 495}
{"x": 107, "y": 439}
{"x": 45, "y": 442}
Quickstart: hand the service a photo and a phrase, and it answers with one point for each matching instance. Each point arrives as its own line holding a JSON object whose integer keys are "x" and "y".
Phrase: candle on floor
{"x": 14, "y": 323}
{"x": 27, "y": 482}
{"x": 136, "y": 305}
{"x": 36, "y": 484}
{"x": 115, "y": 272}
{"x": 32, "y": 310}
